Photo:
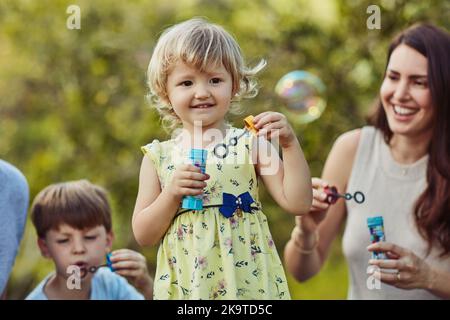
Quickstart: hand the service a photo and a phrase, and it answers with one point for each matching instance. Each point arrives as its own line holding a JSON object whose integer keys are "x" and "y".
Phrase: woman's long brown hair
{"x": 432, "y": 208}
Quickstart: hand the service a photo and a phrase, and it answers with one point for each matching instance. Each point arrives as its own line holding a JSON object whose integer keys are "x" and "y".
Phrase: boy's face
{"x": 68, "y": 246}
{"x": 200, "y": 96}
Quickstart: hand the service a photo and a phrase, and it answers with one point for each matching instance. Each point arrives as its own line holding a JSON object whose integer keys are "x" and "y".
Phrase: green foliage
{"x": 73, "y": 101}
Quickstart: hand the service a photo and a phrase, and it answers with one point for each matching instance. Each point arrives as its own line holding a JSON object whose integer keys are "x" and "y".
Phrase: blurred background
{"x": 72, "y": 102}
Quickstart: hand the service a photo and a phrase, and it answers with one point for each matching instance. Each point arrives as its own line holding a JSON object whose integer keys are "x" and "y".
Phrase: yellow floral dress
{"x": 204, "y": 254}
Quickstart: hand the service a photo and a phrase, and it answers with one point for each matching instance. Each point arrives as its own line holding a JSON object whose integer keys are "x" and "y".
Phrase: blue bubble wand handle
{"x": 198, "y": 159}
{"x": 93, "y": 269}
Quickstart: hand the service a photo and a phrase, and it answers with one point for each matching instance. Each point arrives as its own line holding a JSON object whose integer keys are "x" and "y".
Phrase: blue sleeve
{"x": 127, "y": 291}
{"x": 107, "y": 285}
{"x": 14, "y": 196}
{"x": 38, "y": 292}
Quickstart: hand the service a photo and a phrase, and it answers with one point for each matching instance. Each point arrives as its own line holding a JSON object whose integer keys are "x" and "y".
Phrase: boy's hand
{"x": 133, "y": 266}
{"x": 274, "y": 124}
{"x": 187, "y": 180}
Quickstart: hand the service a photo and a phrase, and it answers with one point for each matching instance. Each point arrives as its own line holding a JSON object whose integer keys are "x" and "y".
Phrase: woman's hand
{"x": 274, "y": 124}
{"x": 133, "y": 266}
{"x": 187, "y": 180}
{"x": 308, "y": 223}
{"x": 413, "y": 272}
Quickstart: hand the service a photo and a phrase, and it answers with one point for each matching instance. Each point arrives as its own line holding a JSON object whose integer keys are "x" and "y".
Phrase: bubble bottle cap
{"x": 374, "y": 221}
{"x": 248, "y": 122}
{"x": 332, "y": 194}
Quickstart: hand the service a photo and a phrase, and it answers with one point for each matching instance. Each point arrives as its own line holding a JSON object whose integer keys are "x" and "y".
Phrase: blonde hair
{"x": 200, "y": 44}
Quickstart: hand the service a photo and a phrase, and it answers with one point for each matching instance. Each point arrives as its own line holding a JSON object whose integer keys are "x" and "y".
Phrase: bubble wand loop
{"x": 333, "y": 195}
{"x": 93, "y": 269}
{"x": 221, "y": 150}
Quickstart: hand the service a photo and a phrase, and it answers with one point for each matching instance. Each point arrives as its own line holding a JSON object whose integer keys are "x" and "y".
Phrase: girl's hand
{"x": 133, "y": 266}
{"x": 187, "y": 180}
{"x": 274, "y": 124}
{"x": 413, "y": 272}
{"x": 308, "y": 223}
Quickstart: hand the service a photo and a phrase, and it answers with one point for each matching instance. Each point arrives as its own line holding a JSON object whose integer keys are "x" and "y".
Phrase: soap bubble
{"x": 303, "y": 95}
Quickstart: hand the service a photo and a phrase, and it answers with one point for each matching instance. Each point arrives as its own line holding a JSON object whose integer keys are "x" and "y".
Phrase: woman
{"x": 402, "y": 165}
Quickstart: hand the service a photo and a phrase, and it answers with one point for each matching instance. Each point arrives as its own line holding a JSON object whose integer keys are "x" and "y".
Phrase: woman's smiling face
{"x": 405, "y": 94}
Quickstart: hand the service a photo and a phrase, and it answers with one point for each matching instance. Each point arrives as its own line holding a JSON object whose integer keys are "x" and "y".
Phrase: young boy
{"x": 73, "y": 224}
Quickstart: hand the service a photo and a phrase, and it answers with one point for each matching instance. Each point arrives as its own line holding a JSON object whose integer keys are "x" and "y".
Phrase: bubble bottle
{"x": 376, "y": 228}
{"x": 198, "y": 159}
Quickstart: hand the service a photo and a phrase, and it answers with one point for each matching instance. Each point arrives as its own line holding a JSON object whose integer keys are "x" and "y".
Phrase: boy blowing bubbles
{"x": 73, "y": 224}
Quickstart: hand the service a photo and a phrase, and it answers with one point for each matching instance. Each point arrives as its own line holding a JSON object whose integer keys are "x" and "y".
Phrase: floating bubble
{"x": 303, "y": 94}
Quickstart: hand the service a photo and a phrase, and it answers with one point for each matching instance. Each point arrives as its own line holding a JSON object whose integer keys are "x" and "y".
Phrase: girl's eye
{"x": 90, "y": 237}
{"x": 62, "y": 241}
{"x": 216, "y": 80}
{"x": 186, "y": 83}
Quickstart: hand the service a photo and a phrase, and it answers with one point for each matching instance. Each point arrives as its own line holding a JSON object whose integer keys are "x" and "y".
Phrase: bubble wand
{"x": 333, "y": 195}
{"x": 221, "y": 150}
{"x": 93, "y": 269}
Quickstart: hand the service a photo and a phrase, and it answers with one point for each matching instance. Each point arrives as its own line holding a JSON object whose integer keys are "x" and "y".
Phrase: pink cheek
{"x": 386, "y": 93}
{"x": 385, "y": 104}
{"x": 425, "y": 102}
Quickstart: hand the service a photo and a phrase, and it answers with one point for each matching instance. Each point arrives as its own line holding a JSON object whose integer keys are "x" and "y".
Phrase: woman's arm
{"x": 308, "y": 248}
{"x": 440, "y": 284}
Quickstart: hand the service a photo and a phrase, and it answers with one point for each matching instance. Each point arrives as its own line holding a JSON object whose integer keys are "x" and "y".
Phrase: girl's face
{"x": 405, "y": 94}
{"x": 68, "y": 246}
{"x": 200, "y": 96}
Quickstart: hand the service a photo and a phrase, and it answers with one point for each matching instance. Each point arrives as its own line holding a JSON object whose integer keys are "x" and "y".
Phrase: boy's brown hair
{"x": 79, "y": 204}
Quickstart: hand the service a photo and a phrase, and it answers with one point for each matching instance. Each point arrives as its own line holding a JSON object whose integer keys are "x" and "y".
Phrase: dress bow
{"x": 231, "y": 203}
